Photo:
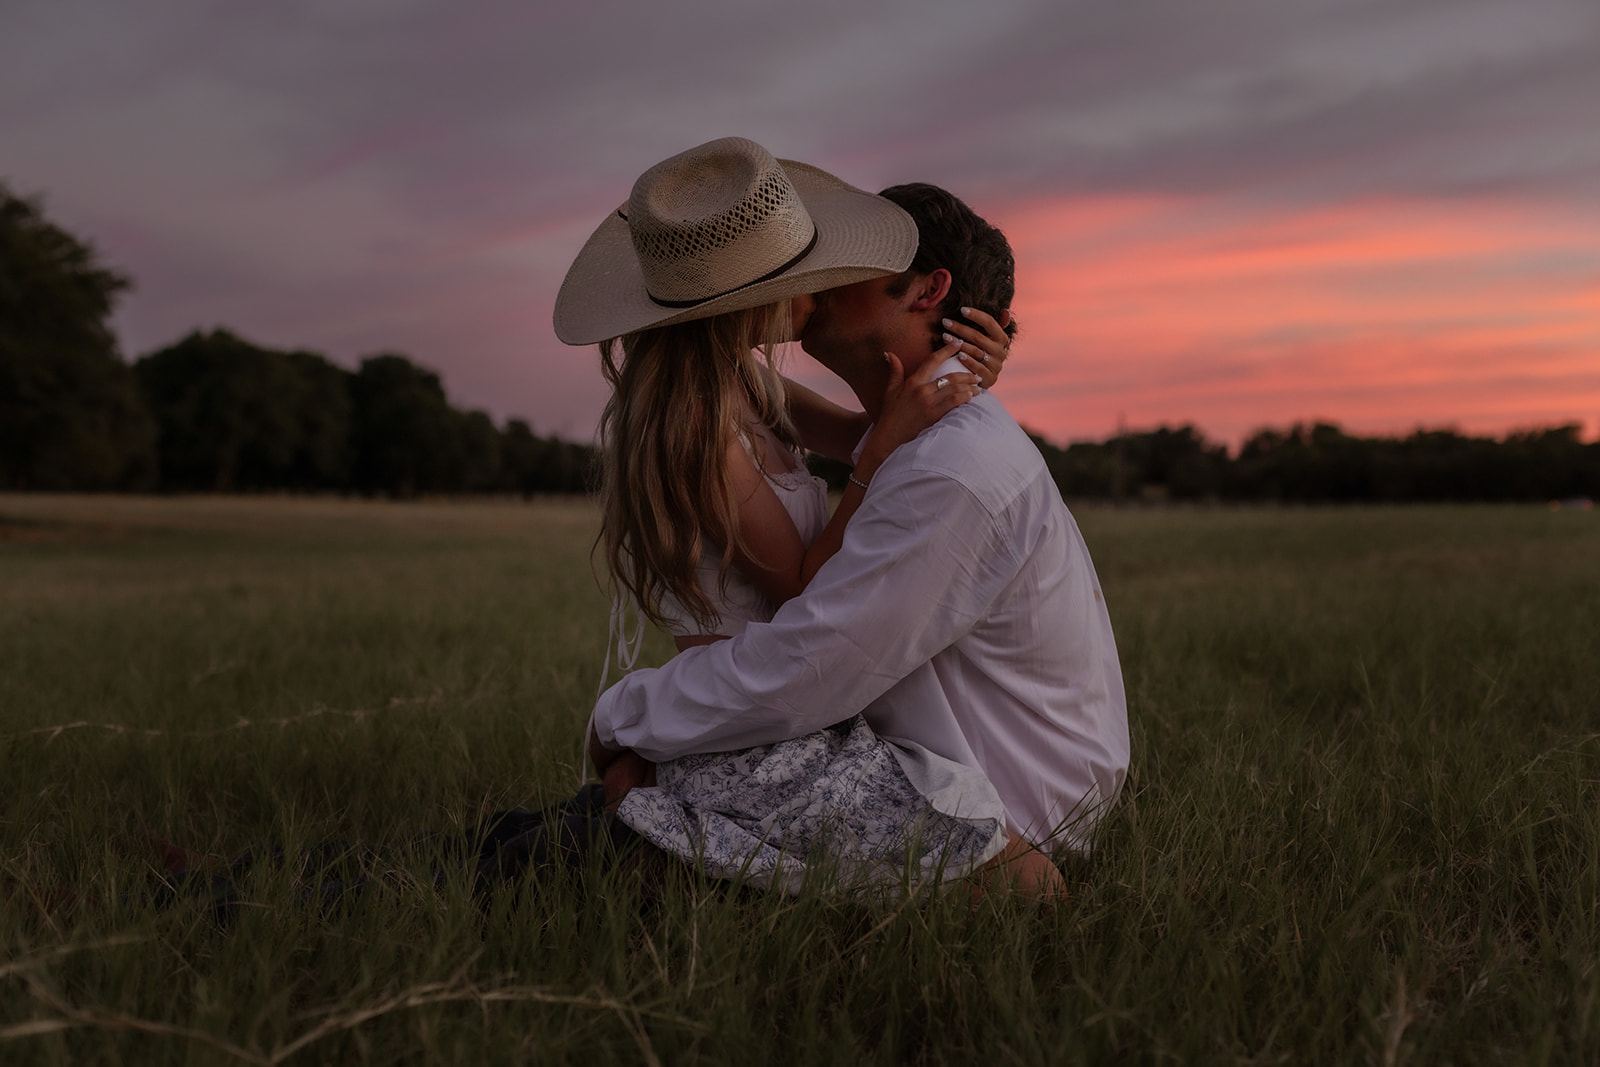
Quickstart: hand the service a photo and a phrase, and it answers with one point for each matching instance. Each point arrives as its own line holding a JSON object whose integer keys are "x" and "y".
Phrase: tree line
{"x": 214, "y": 412}
{"x": 1320, "y": 463}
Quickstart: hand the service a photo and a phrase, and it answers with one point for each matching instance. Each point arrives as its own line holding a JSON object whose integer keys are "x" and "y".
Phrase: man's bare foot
{"x": 1020, "y": 868}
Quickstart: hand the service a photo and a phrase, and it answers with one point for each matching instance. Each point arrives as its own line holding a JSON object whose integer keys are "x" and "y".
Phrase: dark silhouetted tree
{"x": 1176, "y": 463}
{"x": 1082, "y": 469}
{"x": 324, "y": 457}
{"x": 1320, "y": 463}
{"x": 480, "y": 450}
{"x": 1305, "y": 463}
{"x": 71, "y": 416}
{"x": 537, "y": 464}
{"x": 405, "y": 434}
{"x": 236, "y": 416}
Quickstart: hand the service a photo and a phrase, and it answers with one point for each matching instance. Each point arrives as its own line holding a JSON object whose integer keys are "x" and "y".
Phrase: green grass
{"x": 1361, "y": 825}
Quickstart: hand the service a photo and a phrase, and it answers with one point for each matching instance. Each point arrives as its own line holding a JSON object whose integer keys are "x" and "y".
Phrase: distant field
{"x": 1362, "y": 826}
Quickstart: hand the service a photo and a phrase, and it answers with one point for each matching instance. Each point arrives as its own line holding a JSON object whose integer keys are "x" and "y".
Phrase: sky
{"x": 1230, "y": 213}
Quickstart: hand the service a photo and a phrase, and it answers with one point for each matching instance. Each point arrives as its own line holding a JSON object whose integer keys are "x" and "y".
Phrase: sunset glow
{"x": 1382, "y": 315}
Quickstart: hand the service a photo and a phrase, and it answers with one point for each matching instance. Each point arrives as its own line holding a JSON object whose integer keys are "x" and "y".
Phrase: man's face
{"x": 852, "y": 319}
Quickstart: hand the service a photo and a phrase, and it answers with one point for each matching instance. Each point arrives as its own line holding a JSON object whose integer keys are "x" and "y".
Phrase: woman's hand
{"x": 624, "y": 774}
{"x": 619, "y": 770}
{"x": 911, "y": 405}
{"x": 984, "y": 348}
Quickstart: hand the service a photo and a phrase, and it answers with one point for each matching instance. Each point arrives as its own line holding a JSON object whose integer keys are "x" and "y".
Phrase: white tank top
{"x": 805, "y": 498}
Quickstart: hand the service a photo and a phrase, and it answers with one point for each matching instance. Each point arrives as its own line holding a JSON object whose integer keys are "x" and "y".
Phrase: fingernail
{"x": 948, "y": 323}
{"x": 951, "y": 339}
{"x": 967, "y": 312}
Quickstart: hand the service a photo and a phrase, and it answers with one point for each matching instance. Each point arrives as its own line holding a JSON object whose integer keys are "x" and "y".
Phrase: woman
{"x": 710, "y": 520}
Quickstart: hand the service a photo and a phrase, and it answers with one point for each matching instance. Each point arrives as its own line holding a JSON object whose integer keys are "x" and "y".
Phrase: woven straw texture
{"x": 708, "y": 225}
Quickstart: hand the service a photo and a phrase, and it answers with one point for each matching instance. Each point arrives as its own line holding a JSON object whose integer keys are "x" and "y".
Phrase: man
{"x": 962, "y": 612}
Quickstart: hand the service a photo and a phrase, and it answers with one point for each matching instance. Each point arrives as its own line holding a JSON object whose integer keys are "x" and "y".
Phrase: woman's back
{"x": 738, "y": 601}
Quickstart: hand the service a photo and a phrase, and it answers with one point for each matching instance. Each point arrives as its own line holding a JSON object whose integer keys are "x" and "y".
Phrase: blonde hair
{"x": 678, "y": 398}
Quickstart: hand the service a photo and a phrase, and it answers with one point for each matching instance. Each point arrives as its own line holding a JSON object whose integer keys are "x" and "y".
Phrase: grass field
{"x": 1361, "y": 824}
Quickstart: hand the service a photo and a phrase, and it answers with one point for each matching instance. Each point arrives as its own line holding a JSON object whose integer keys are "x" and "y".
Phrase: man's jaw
{"x": 824, "y": 346}
{"x": 858, "y": 364}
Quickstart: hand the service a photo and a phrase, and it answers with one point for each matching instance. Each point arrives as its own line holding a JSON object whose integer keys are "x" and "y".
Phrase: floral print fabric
{"x": 834, "y": 805}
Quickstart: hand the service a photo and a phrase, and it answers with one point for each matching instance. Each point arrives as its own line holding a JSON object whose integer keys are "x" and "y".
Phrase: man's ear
{"x": 930, "y": 290}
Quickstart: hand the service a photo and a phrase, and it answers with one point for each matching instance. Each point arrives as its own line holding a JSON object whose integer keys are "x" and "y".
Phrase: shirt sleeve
{"x": 921, "y": 561}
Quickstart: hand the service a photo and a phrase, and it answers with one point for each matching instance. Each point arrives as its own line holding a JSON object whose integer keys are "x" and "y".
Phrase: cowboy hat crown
{"x": 723, "y": 227}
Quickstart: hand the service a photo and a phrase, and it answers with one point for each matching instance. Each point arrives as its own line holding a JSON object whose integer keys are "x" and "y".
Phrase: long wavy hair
{"x": 678, "y": 398}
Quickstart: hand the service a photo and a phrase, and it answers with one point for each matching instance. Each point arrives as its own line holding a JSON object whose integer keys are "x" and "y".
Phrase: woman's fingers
{"x": 916, "y": 401}
{"x": 984, "y": 324}
{"x": 897, "y": 371}
{"x": 949, "y": 379}
{"x": 986, "y": 373}
{"x": 984, "y": 345}
{"x": 936, "y": 393}
{"x": 950, "y": 390}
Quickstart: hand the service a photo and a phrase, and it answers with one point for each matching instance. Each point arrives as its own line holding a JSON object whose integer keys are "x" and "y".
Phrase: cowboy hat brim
{"x": 859, "y": 236}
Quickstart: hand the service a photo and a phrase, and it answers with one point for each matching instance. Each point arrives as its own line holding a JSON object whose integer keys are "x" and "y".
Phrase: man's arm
{"x": 919, "y": 565}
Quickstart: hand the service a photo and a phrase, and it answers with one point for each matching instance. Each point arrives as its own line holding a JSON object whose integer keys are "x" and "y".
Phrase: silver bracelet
{"x": 857, "y": 481}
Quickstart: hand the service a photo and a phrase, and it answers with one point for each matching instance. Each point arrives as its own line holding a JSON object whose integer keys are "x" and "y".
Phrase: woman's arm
{"x": 775, "y": 559}
{"x": 824, "y": 427}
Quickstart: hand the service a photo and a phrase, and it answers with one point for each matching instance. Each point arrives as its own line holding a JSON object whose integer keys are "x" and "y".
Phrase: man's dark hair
{"x": 983, "y": 274}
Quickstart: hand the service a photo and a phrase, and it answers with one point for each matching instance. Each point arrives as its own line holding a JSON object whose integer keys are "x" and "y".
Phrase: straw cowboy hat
{"x": 724, "y": 227}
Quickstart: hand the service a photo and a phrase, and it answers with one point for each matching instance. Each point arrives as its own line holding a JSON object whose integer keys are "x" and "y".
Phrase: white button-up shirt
{"x": 962, "y": 613}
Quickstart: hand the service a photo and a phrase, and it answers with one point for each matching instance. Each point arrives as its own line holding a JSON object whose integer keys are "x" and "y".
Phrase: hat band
{"x": 803, "y": 253}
